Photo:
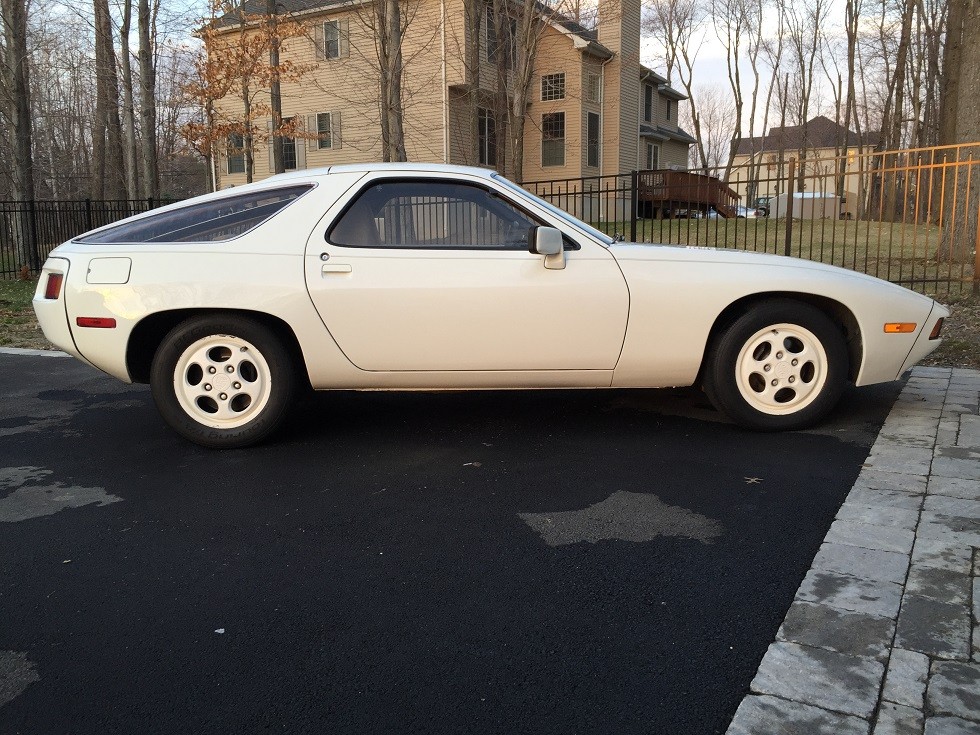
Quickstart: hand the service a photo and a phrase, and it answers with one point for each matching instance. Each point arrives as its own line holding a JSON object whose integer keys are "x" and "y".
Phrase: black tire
{"x": 251, "y": 390}
{"x": 792, "y": 377}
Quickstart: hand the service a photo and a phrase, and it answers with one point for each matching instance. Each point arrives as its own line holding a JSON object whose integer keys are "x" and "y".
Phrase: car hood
{"x": 631, "y": 251}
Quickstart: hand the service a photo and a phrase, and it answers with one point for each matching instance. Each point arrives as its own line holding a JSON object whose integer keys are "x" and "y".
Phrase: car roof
{"x": 386, "y": 167}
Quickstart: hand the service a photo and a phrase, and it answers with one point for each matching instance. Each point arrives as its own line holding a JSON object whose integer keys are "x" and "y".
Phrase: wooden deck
{"x": 667, "y": 194}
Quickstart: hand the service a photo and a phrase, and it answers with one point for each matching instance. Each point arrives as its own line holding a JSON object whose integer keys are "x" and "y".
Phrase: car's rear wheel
{"x": 781, "y": 365}
{"x": 222, "y": 381}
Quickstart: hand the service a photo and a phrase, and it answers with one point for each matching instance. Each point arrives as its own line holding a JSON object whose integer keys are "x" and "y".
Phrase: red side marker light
{"x": 936, "y": 330}
{"x": 52, "y": 289}
{"x": 97, "y": 322}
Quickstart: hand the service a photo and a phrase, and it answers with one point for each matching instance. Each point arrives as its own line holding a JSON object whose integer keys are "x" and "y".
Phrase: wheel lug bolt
{"x": 212, "y": 370}
{"x": 223, "y": 396}
{"x": 792, "y": 379}
{"x": 775, "y": 382}
{"x": 796, "y": 362}
{"x": 779, "y": 355}
{"x": 767, "y": 368}
{"x": 237, "y": 386}
{"x": 229, "y": 369}
{"x": 207, "y": 386}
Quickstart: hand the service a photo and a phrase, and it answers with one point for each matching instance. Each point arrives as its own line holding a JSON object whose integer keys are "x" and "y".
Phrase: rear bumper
{"x": 51, "y": 313}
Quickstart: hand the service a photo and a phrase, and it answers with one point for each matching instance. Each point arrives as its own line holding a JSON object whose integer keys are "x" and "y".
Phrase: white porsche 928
{"x": 441, "y": 277}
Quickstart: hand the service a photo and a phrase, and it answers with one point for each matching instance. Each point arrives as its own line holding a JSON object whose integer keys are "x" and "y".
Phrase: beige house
{"x": 593, "y": 109}
{"x": 761, "y": 164}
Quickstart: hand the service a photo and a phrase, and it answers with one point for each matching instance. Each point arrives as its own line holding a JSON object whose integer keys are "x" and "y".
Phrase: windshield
{"x": 600, "y": 236}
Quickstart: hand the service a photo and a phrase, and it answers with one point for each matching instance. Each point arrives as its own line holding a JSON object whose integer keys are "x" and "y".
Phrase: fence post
{"x": 89, "y": 225}
{"x": 634, "y": 201}
{"x": 33, "y": 254}
{"x": 149, "y": 203}
{"x": 788, "y": 248}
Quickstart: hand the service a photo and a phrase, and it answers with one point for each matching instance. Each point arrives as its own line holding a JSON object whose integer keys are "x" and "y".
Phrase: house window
{"x": 671, "y": 110}
{"x": 592, "y": 142}
{"x": 553, "y": 87}
{"x": 331, "y": 39}
{"x": 494, "y": 43}
{"x": 592, "y": 88}
{"x": 653, "y": 156}
{"x": 553, "y": 139}
{"x": 288, "y": 148}
{"x": 487, "y": 138}
{"x": 324, "y": 130}
{"x": 648, "y": 103}
{"x": 236, "y": 153}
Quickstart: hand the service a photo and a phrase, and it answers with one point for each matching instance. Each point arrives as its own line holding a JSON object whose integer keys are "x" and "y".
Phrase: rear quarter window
{"x": 212, "y": 221}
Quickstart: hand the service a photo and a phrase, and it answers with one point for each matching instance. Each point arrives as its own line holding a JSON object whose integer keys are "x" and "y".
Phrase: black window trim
{"x": 570, "y": 244}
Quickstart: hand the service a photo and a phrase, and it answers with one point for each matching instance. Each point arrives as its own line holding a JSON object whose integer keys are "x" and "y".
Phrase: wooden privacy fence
{"x": 906, "y": 216}
{"x": 31, "y": 230}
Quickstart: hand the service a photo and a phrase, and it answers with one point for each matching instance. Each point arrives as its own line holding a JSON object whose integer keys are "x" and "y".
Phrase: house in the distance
{"x": 823, "y": 149}
{"x": 593, "y": 108}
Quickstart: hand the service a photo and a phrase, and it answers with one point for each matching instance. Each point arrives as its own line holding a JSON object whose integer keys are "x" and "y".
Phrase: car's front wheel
{"x": 222, "y": 381}
{"x": 781, "y": 365}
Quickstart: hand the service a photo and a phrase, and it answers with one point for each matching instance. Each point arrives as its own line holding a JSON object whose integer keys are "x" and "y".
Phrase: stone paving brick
{"x": 891, "y": 481}
{"x": 898, "y": 458}
{"x": 960, "y": 507}
{"x": 905, "y": 682}
{"x": 896, "y": 719}
{"x": 827, "y": 679}
{"x": 851, "y": 593}
{"x": 883, "y": 566}
{"x": 951, "y": 726}
{"x": 943, "y": 585}
{"x": 949, "y": 465}
{"x": 928, "y": 371}
{"x": 867, "y": 496}
{"x": 935, "y": 628}
{"x": 941, "y": 553}
{"x": 773, "y": 716}
{"x": 954, "y": 487}
{"x": 878, "y": 516}
{"x": 867, "y": 536}
{"x": 821, "y": 626}
{"x": 954, "y": 689}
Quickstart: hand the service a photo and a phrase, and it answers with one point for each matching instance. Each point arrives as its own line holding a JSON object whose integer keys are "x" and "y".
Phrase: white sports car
{"x": 432, "y": 277}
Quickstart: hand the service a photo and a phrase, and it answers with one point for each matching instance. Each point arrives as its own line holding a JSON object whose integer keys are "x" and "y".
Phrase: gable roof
{"x": 820, "y": 132}
{"x": 661, "y": 83}
{"x": 587, "y": 40}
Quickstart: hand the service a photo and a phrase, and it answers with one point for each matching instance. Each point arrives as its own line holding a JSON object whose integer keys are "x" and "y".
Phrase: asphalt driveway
{"x": 539, "y": 562}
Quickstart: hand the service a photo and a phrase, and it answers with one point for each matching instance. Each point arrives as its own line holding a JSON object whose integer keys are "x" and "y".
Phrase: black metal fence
{"x": 910, "y": 216}
{"x": 31, "y": 230}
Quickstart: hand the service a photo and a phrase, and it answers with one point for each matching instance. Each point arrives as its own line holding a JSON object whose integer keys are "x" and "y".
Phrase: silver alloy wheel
{"x": 781, "y": 369}
{"x": 222, "y": 381}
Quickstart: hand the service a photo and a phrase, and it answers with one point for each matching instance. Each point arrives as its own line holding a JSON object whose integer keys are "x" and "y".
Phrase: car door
{"x": 430, "y": 273}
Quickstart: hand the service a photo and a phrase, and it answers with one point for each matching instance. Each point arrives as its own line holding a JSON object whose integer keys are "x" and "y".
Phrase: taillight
{"x": 52, "y": 289}
{"x": 936, "y": 330}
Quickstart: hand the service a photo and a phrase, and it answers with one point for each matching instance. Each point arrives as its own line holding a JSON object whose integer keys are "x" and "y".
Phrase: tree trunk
{"x": 275, "y": 91}
{"x": 389, "y": 23}
{"x": 109, "y": 167}
{"x": 960, "y": 123}
{"x": 474, "y": 11}
{"x": 148, "y": 103}
{"x": 17, "y": 111}
{"x": 129, "y": 118}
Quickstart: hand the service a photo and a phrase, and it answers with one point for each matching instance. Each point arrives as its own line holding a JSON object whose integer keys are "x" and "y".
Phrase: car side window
{"x": 431, "y": 215}
{"x": 216, "y": 220}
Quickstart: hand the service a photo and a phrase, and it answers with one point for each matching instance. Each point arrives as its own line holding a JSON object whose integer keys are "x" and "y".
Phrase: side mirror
{"x": 547, "y": 241}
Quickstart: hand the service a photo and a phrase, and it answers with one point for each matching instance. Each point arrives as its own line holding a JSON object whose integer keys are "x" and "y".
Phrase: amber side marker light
{"x": 52, "y": 289}
{"x": 934, "y": 334}
{"x": 900, "y": 327}
{"x": 98, "y": 322}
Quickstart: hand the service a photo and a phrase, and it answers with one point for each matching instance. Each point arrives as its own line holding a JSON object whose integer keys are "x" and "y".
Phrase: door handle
{"x": 328, "y": 268}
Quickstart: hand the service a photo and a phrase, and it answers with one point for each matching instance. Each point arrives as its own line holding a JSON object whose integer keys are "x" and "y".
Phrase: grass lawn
{"x": 18, "y": 325}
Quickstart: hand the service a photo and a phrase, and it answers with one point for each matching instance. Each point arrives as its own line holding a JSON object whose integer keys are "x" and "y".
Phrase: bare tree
{"x": 128, "y": 115}
{"x": 148, "y": 105}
